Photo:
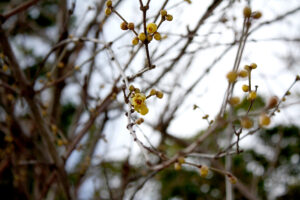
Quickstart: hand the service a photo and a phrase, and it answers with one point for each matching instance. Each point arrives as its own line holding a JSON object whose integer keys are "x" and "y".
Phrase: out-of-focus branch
{"x": 17, "y": 10}
{"x": 28, "y": 93}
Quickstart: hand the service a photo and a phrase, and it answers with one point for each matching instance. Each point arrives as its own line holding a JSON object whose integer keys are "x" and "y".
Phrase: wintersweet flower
{"x": 139, "y": 103}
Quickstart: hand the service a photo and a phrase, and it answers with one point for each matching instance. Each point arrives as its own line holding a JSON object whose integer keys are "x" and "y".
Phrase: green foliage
{"x": 186, "y": 184}
{"x": 68, "y": 111}
{"x": 257, "y": 104}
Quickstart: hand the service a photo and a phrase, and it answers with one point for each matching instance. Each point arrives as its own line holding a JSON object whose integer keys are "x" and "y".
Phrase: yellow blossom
{"x": 139, "y": 103}
{"x": 203, "y": 171}
{"x": 151, "y": 28}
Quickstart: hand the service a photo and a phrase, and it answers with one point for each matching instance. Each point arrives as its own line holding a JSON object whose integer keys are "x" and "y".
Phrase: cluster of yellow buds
{"x": 165, "y": 16}
{"x": 248, "y": 13}
{"x": 246, "y": 88}
{"x": 108, "y": 9}
{"x": 180, "y": 161}
{"x": 151, "y": 33}
{"x": 138, "y": 100}
{"x": 158, "y": 94}
{"x": 127, "y": 26}
{"x": 151, "y": 29}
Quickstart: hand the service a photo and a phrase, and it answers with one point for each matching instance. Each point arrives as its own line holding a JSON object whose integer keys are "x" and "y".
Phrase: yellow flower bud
{"x": 231, "y": 76}
{"x": 243, "y": 73}
{"x": 149, "y": 38}
{"x": 144, "y": 110}
{"x": 107, "y": 11}
{"x": 151, "y": 28}
{"x": 123, "y": 26}
{"x": 157, "y": 36}
{"x": 245, "y": 88}
{"x": 264, "y": 120}
{"x": 247, "y": 12}
{"x": 257, "y": 15}
{"x": 169, "y": 17}
{"x": 139, "y": 121}
{"x": 181, "y": 160}
{"x": 203, "y": 171}
{"x": 253, "y": 66}
{"x": 246, "y": 123}
{"x": 205, "y": 116}
{"x": 272, "y": 102}
{"x": 153, "y": 92}
{"x": 142, "y": 37}
{"x": 109, "y": 3}
{"x": 247, "y": 67}
{"x": 177, "y": 166}
{"x": 130, "y": 26}
{"x": 159, "y": 94}
{"x": 234, "y": 101}
{"x": 163, "y": 13}
{"x": 252, "y": 95}
{"x": 131, "y": 88}
{"x": 135, "y": 41}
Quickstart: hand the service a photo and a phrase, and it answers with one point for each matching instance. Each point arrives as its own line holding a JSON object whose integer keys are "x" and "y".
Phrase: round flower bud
{"x": 231, "y": 76}
{"x": 151, "y": 28}
{"x": 107, "y": 11}
{"x": 142, "y": 37}
{"x": 246, "y": 123}
{"x": 159, "y": 94}
{"x": 131, "y": 88}
{"x": 137, "y": 90}
{"x": 252, "y": 95}
{"x": 243, "y": 73}
{"x": 253, "y": 66}
{"x": 234, "y": 101}
{"x": 169, "y": 17}
{"x": 181, "y": 160}
{"x": 149, "y": 38}
{"x": 157, "y": 36}
{"x": 135, "y": 41}
{"x": 247, "y": 12}
{"x": 144, "y": 110}
{"x": 109, "y": 3}
{"x": 247, "y": 67}
{"x": 153, "y": 92}
{"x": 245, "y": 88}
{"x": 163, "y": 13}
{"x": 264, "y": 120}
{"x": 257, "y": 15}
{"x": 130, "y": 26}
{"x": 203, "y": 171}
{"x": 139, "y": 121}
{"x": 123, "y": 26}
{"x": 177, "y": 166}
{"x": 272, "y": 102}
{"x": 205, "y": 116}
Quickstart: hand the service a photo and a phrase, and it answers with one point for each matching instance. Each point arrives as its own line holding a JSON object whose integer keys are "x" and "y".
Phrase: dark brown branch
{"x": 18, "y": 9}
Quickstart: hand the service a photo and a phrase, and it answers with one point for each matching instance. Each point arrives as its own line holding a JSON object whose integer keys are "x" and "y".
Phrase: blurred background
{"x": 74, "y": 58}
